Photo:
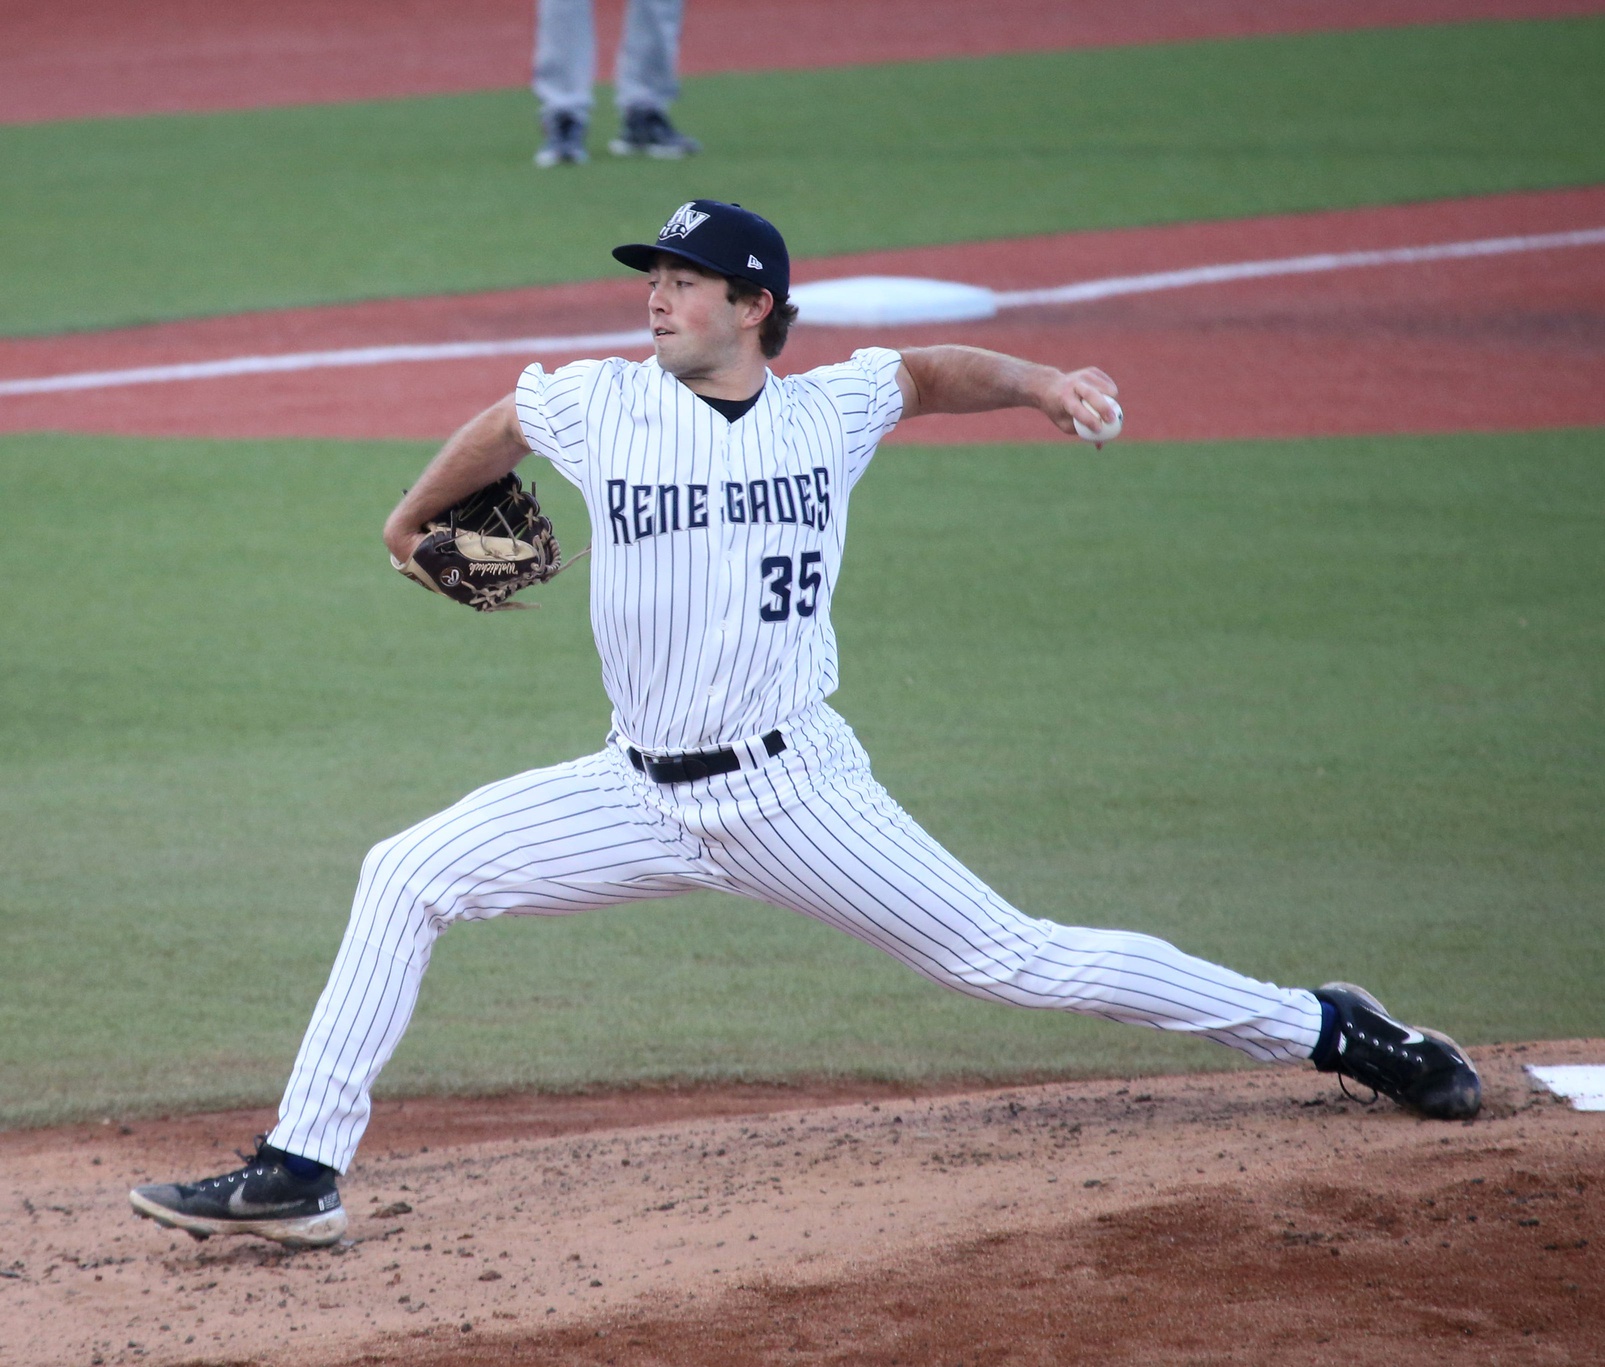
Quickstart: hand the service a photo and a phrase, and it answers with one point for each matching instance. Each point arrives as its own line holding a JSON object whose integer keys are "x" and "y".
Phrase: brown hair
{"x": 776, "y": 324}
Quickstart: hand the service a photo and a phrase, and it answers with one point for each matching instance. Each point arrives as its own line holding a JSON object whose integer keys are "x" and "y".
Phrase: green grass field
{"x": 1313, "y": 708}
{"x": 118, "y": 221}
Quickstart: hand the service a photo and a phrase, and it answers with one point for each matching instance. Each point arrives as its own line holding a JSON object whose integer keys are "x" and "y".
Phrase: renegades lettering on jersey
{"x": 635, "y": 507}
{"x": 772, "y": 500}
{"x": 637, "y": 511}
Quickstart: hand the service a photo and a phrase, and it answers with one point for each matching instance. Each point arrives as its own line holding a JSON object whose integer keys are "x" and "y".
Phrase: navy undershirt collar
{"x": 732, "y": 409}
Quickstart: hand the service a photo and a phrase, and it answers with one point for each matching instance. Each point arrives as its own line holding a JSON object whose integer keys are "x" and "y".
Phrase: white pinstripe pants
{"x": 809, "y": 829}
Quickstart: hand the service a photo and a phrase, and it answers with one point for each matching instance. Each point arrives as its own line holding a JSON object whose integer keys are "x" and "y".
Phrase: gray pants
{"x": 565, "y": 56}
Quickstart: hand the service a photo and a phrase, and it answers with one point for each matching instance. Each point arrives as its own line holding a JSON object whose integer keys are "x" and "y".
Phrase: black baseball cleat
{"x": 1422, "y": 1070}
{"x": 263, "y": 1198}
{"x": 564, "y": 144}
{"x": 649, "y": 131}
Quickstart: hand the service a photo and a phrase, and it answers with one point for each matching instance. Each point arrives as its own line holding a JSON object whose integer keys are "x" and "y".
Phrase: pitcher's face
{"x": 696, "y": 330}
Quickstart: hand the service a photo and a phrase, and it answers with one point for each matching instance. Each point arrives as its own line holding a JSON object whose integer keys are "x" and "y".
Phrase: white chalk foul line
{"x": 323, "y": 360}
{"x": 1298, "y": 265}
{"x": 1063, "y": 294}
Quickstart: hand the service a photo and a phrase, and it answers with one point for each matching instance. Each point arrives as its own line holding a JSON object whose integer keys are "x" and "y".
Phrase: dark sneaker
{"x": 1422, "y": 1070}
{"x": 649, "y": 131}
{"x": 565, "y": 142}
{"x": 263, "y": 1198}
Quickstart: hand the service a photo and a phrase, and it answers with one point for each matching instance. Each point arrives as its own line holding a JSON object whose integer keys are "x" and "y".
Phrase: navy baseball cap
{"x": 723, "y": 238}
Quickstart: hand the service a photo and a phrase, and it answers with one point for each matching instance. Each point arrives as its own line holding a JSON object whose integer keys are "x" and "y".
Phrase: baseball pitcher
{"x": 719, "y": 496}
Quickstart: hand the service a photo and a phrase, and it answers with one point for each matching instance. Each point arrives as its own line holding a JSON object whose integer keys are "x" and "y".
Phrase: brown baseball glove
{"x": 484, "y": 549}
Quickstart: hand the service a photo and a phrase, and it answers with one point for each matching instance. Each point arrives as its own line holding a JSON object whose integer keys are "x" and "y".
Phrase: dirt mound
{"x": 1256, "y": 1214}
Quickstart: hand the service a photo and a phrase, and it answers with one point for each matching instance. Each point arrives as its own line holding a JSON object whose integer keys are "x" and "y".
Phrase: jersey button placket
{"x": 727, "y": 560}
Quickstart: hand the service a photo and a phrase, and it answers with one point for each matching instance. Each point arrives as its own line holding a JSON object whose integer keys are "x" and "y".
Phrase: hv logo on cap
{"x": 686, "y": 220}
{"x": 723, "y": 238}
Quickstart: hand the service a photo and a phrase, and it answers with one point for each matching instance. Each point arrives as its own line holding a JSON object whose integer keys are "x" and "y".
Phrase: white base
{"x": 886, "y": 300}
{"x": 1583, "y": 1084}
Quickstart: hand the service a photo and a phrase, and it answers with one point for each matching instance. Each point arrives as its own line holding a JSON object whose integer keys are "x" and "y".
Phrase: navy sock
{"x": 1328, "y": 1040}
{"x": 307, "y": 1169}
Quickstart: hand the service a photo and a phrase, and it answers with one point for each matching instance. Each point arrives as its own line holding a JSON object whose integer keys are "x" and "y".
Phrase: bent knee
{"x": 400, "y": 882}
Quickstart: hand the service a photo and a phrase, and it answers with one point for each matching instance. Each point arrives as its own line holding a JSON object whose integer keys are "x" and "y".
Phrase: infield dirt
{"x": 1258, "y": 1217}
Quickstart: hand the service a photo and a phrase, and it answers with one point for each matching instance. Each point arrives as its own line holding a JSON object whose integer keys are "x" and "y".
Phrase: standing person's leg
{"x": 645, "y": 81}
{"x": 815, "y": 832}
{"x": 564, "y": 70}
{"x": 549, "y": 842}
{"x": 649, "y": 52}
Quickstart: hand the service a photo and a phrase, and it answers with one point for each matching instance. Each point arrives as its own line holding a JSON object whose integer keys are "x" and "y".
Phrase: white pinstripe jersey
{"x": 716, "y": 544}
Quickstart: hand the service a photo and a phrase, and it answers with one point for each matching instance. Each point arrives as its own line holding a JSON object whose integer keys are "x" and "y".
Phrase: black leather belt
{"x": 688, "y": 768}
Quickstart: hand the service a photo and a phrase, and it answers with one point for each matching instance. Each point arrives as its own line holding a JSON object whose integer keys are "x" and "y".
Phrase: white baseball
{"x": 1109, "y": 431}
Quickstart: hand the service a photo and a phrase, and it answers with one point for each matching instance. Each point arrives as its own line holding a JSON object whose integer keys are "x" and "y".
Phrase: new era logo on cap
{"x": 687, "y": 219}
{"x": 753, "y": 262}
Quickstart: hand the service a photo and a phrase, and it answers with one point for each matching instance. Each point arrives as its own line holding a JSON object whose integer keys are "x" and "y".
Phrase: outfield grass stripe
{"x": 1085, "y": 291}
{"x": 1311, "y": 709}
{"x": 125, "y": 221}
